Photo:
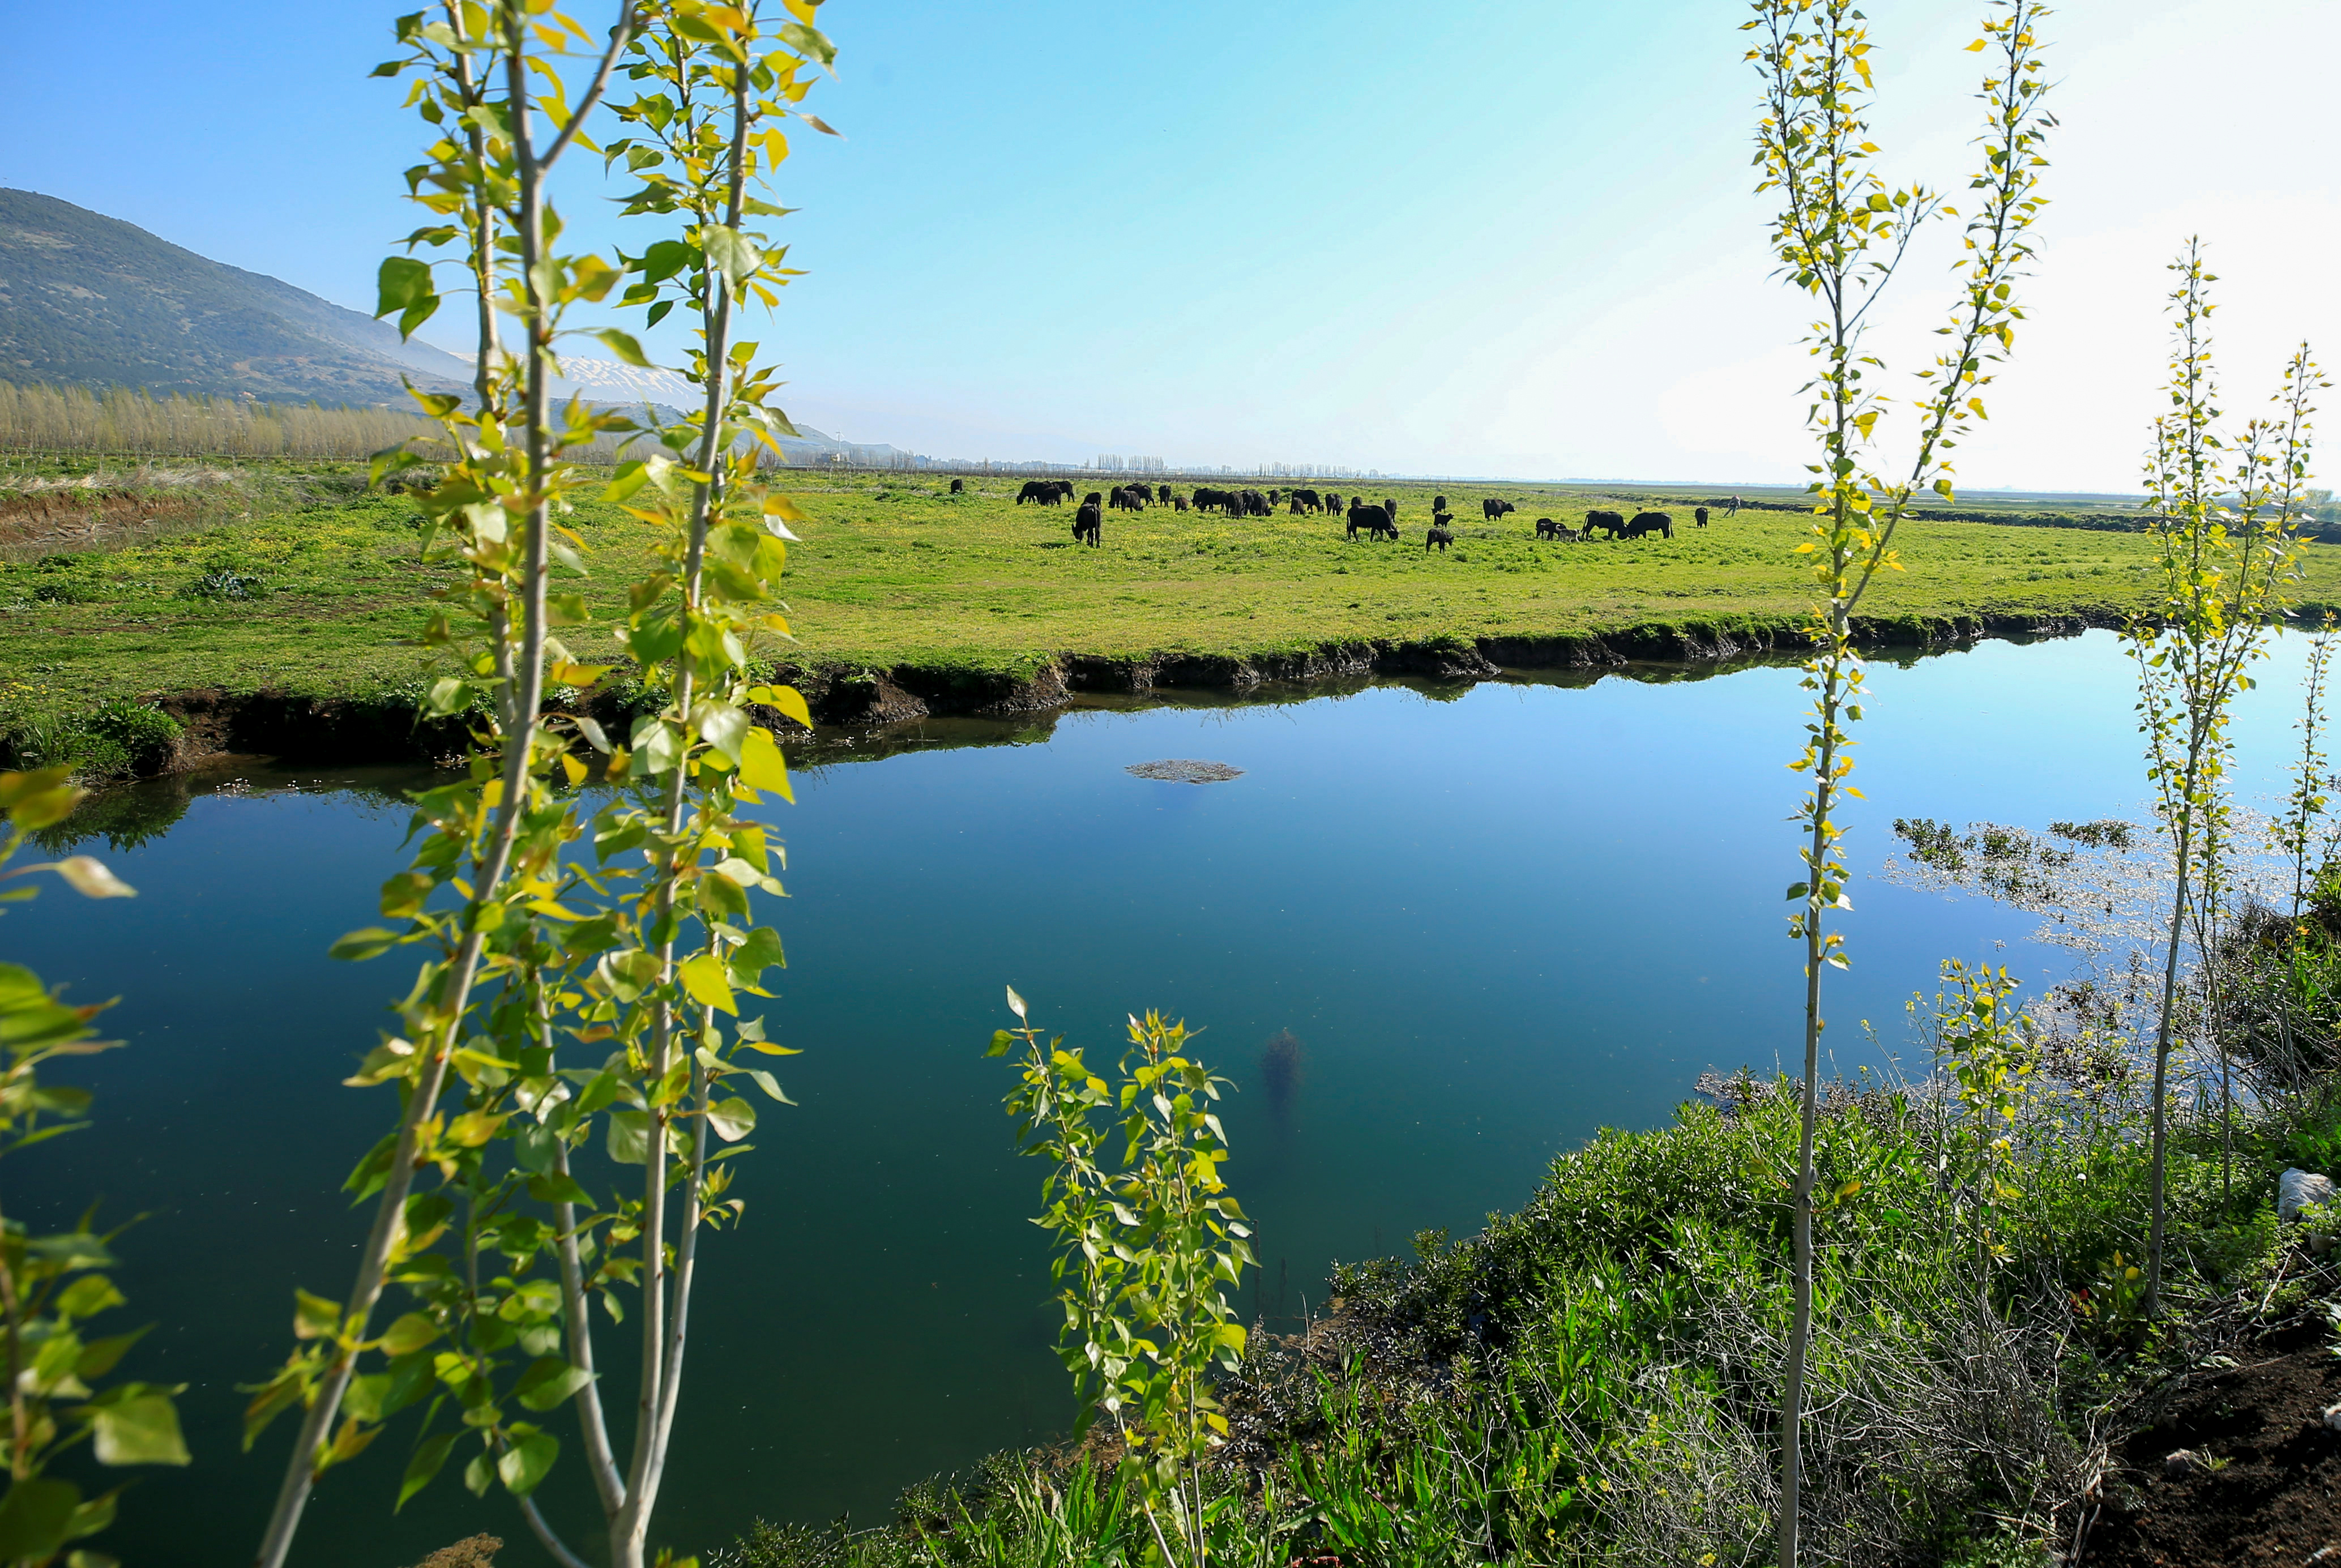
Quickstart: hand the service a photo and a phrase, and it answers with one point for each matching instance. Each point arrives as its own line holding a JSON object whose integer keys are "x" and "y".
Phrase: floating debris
{"x": 1185, "y": 770}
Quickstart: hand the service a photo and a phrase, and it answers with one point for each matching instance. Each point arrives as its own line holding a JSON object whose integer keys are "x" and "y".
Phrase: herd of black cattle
{"x": 1374, "y": 519}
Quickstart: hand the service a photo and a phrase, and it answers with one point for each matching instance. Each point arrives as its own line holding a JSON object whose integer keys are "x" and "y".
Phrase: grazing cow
{"x": 1088, "y": 523}
{"x": 1309, "y": 500}
{"x": 1164, "y": 499}
{"x": 1390, "y": 507}
{"x": 1699, "y": 515}
{"x": 1441, "y": 534}
{"x": 1611, "y": 523}
{"x": 1650, "y": 523}
{"x": 1374, "y": 520}
{"x": 1492, "y": 508}
{"x": 1548, "y": 529}
{"x": 1034, "y": 490}
{"x": 1254, "y": 504}
{"x": 1094, "y": 498}
{"x": 959, "y": 487}
{"x": 1294, "y": 506}
{"x": 1177, "y": 504}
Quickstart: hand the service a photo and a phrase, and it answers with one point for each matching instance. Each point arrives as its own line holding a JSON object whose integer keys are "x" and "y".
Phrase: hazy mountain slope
{"x": 91, "y": 299}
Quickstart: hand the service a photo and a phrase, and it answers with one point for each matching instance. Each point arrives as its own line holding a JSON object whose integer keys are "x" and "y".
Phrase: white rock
{"x": 2296, "y": 1189}
{"x": 2332, "y": 1416}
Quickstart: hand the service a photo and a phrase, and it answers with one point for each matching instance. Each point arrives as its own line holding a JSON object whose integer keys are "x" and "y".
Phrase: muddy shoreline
{"x": 302, "y": 729}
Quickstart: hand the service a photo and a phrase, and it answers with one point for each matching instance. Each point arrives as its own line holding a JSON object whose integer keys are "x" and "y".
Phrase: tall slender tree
{"x": 2225, "y": 513}
{"x": 1841, "y": 236}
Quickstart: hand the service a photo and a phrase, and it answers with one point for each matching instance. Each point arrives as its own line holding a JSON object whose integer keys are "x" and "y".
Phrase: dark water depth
{"x": 1436, "y": 938}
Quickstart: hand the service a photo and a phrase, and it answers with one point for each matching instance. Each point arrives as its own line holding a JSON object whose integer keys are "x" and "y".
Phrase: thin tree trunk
{"x": 2162, "y": 1069}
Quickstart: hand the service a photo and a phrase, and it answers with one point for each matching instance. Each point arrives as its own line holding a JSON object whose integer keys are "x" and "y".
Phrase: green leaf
{"x": 429, "y": 1456}
{"x": 525, "y": 1463}
{"x": 36, "y": 1517}
{"x": 702, "y": 977}
{"x": 404, "y": 284}
{"x": 315, "y": 1317}
{"x": 762, "y": 765}
{"x": 136, "y": 1428}
{"x": 549, "y": 1381}
{"x": 87, "y": 1296}
{"x": 623, "y": 345}
{"x": 411, "y": 1333}
{"x": 733, "y": 253}
{"x": 629, "y": 1136}
{"x": 89, "y": 876}
{"x": 368, "y": 942}
{"x": 732, "y": 1120}
{"x": 41, "y": 798}
{"x": 768, "y": 1083}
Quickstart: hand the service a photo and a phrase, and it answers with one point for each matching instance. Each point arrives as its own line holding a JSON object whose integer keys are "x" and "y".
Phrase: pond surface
{"x": 1494, "y": 919}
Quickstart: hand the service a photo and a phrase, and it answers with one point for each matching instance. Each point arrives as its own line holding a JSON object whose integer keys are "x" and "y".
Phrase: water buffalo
{"x": 1164, "y": 499}
{"x": 1374, "y": 520}
{"x": 1492, "y": 508}
{"x": 1611, "y": 523}
{"x": 1094, "y": 498}
{"x": 1439, "y": 504}
{"x": 1548, "y": 529}
{"x": 1650, "y": 523}
{"x": 959, "y": 487}
{"x": 1088, "y": 523}
{"x": 1441, "y": 534}
{"x": 1699, "y": 515}
{"x": 1309, "y": 500}
{"x": 1253, "y": 504}
{"x": 1041, "y": 491}
{"x": 1177, "y": 504}
{"x": 1332, "y": 501}
{"x": 1294, "y": 506}
{"x": 1390, "y": 505}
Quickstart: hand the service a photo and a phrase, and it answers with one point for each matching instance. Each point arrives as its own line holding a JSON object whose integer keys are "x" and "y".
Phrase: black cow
{"x": 1650, "y": 523}
{"x": 1699, "y": 515}
{"x": 959, "y": 487}
{"x": 1088, "y": 523}
{"x": 1441, "y": 534}
{"x": 1439, "y": 504}
{"x": 1332, "y": 501}
{"x": 1094, "y": 498}
{"x": 1548, "y": 529}
{"x": 1492, "y": 508}
{"x": 1129, "y": 498}
{"x": 1309, "y": 500}
{"x": 1164, "y": 499}
{"x": 1177, "y": 504}
{"x": 1039, "y": 491}
{"x": 1611, "y": 523}
{"x": 1374, "y": 520}
{"x": 1254, "y": 504}
{"x": 1390, "y": 507}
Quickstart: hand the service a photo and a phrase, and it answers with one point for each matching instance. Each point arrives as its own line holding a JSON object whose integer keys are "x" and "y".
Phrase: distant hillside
{"x": 91, "y": 299}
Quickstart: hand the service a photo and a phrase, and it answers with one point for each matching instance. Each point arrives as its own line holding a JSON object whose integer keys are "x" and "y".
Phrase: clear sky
{"x": 1496, "y": 236}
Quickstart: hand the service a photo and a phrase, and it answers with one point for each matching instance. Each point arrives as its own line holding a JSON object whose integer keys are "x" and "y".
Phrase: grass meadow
{"x": 294, "y": 576}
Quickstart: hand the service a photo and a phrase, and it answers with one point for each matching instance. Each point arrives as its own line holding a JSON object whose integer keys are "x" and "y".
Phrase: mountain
{"x": 89, "y": 299}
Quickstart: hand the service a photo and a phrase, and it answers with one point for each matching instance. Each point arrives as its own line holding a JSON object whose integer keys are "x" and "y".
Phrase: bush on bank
{"x": 1593, "y": 1379}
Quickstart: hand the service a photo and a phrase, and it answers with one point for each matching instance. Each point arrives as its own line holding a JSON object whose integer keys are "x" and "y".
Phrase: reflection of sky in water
{"x": 1497, "y": 923}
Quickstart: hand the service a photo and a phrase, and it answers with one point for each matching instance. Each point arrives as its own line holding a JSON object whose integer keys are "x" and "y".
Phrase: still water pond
{"x": 1494, "y": 918}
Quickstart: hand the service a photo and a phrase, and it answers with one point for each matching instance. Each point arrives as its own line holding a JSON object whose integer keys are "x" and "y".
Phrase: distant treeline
{"x": 2323, "y": 524}
{"x": 38, "y": 418}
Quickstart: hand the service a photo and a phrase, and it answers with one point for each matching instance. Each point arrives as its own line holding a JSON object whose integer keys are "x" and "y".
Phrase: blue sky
{"x": 1494, "y": 238}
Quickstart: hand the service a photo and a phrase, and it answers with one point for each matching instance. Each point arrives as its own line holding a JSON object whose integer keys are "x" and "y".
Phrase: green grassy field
{"x": 894, "y": 571}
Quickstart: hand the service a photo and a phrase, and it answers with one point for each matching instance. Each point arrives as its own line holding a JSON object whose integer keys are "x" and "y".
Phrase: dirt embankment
{"x": 353, "y": 730}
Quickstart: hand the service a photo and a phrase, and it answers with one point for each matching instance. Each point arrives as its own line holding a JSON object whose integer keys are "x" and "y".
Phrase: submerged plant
{"x": 1841, "y": 237}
